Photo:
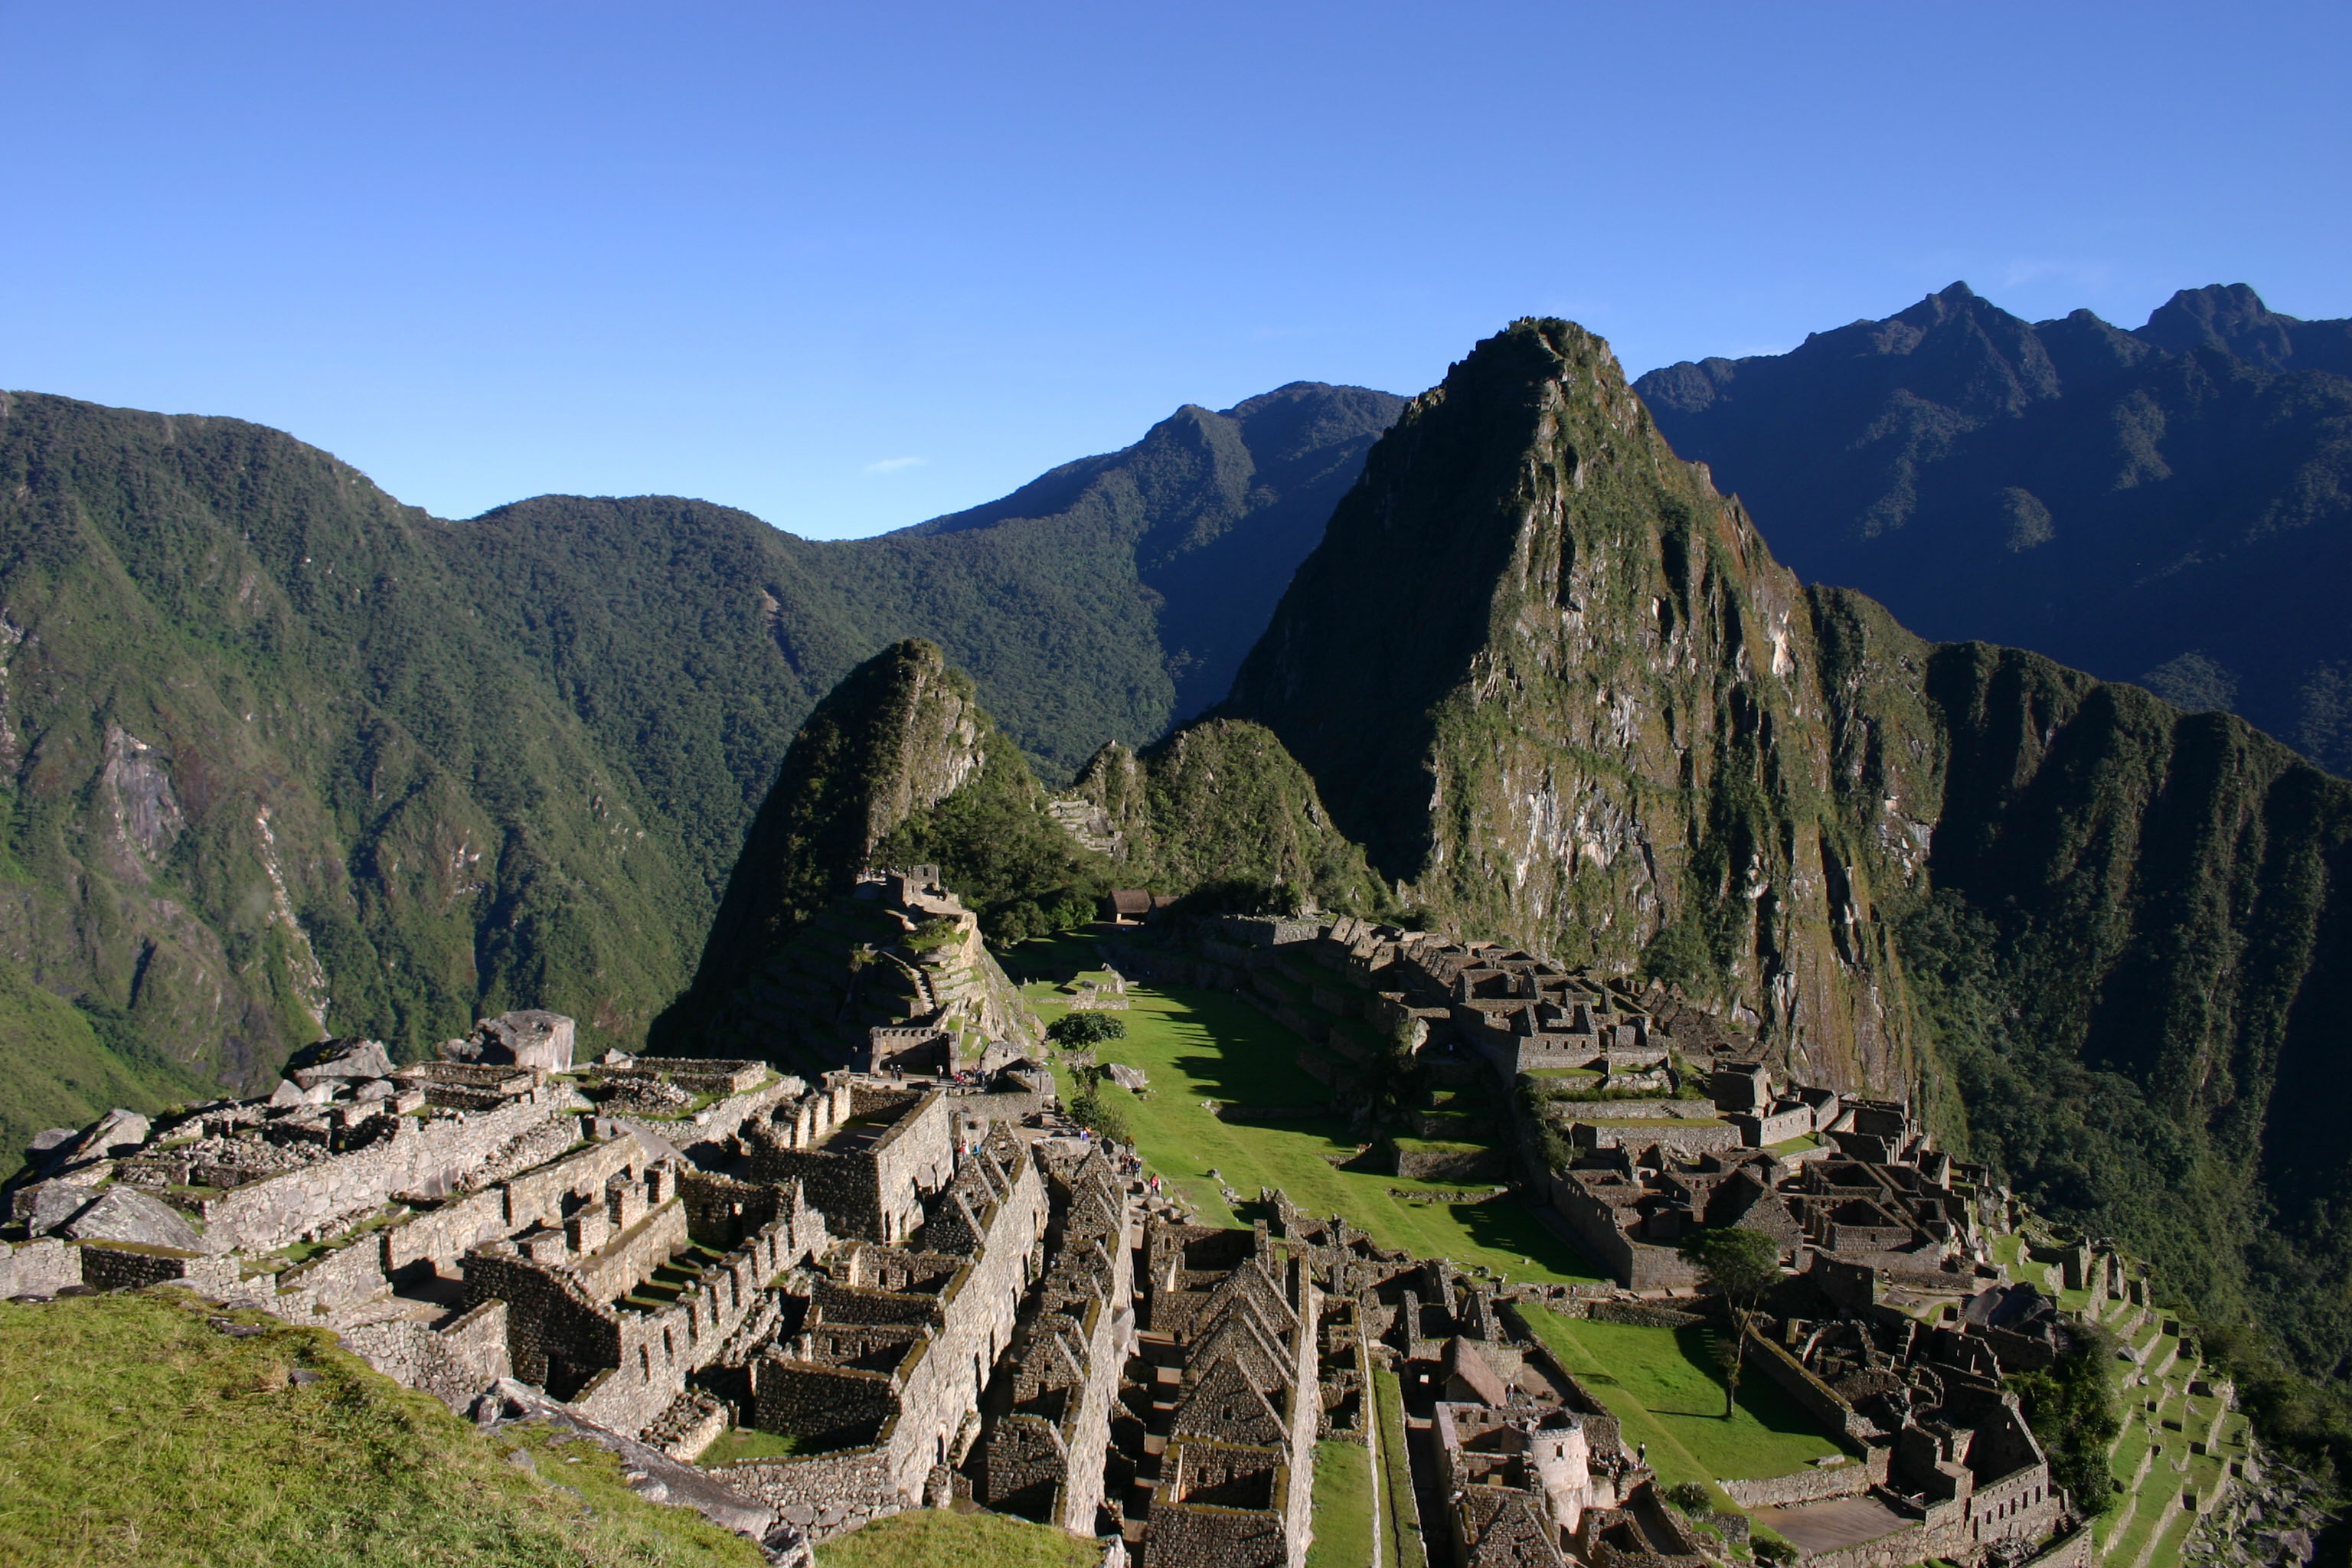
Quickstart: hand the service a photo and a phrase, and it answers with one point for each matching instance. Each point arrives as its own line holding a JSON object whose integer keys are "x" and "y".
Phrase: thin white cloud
{"x": 892, "y": 464}
{"x": 2083, "y": 274}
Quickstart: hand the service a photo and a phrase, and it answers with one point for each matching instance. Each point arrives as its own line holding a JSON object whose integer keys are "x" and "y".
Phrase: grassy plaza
{"x": 1197, "y": 1046}
{"x": 1666, "y": 1391}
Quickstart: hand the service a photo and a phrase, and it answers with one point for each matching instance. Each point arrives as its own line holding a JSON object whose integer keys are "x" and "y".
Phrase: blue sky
{"x": 850, "y": 267}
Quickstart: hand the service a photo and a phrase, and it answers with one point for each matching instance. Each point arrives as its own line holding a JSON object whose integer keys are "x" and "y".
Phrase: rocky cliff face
{"x": 1560, "y": 688}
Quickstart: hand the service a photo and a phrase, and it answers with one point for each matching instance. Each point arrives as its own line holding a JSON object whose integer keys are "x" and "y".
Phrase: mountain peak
{"x": 2230, "y": 317}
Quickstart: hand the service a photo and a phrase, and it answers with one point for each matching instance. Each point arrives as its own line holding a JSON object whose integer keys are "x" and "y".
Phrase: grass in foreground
{"x": 1663, "y": 1388}
{"x": 932, "y": 1538}
{"x": 1343, "y": 1507}
{"x": 1197, "y": 1046}
{"x": 131, "y": 1432}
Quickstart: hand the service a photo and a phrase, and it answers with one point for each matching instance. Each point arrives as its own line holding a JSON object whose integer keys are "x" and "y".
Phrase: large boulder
{"x": 339, "y": 1061}
{"x": 50, "y": 1205}
{"x": 532, "y": 1038}
{"x": 118, "y": 1133}
{"x": 125, "y": 1214}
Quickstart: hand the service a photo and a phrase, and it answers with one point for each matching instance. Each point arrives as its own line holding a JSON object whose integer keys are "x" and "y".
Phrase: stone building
{"x": 1047, "y": 1423}
{"x": 866, "y": 1153}
{"x": 1232, "y": 1350}
{"x": 882, "y": 1360}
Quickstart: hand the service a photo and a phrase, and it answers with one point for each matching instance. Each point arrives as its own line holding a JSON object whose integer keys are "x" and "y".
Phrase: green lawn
{"x": 749, "y": 1443}
{"x": 1197, "y": 1046}
{"x": 1343, "y": 1507}
{"x": 1664, "y": 1389}
{"x": 930, "y": 1537}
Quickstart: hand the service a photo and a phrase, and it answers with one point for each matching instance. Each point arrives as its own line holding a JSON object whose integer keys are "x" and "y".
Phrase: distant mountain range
{"x": 2170, "y": 506}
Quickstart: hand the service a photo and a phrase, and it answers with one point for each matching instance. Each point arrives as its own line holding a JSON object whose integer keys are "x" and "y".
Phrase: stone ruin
{"x": 932, "y": 1298}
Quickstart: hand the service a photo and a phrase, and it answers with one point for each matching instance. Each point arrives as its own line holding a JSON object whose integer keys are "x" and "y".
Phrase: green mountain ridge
{"x": 899, "y": 766}
{"x": 280, "y": 754}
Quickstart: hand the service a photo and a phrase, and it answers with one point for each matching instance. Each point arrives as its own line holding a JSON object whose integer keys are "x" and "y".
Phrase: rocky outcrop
{"x": 899, "y": 734}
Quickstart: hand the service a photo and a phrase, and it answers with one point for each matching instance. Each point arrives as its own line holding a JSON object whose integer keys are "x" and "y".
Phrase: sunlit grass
{"x": 1200, "y": 1045}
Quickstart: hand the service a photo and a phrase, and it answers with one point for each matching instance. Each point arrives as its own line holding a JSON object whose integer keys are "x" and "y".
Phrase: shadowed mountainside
{"x": 2171, "y": 506}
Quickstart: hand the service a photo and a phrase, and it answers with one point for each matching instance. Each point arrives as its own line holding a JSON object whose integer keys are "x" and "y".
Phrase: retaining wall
{"x": 40, "y": 1268}
{"x": 454, "y": 1362}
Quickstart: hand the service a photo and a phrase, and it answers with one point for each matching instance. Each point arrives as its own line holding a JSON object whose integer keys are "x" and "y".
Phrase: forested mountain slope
{"x": 279, "y": 754}
{"x": 1561, "y": 688}
{"x": 2171, "y": 505}
{"x": 266, "y": 769}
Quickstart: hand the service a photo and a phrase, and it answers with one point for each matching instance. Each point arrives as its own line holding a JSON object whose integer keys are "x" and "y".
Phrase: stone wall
{"x": 438, "y": 1154}
{"x": 545, "y": 1196}
{"x": 1688, "y": 1142}
{"x": 443, "y": 1234}
{"x": 656, "y": 1351}
{"x": 454, "y": 1362}
{"x": 871, "y": 1189}
{"x": 826, "y": 1495}
{"x": 1813, "y": 1485}
{"x": 342, "y": 1277}
{"x": 1448, "y": 1165}
{"x": 1638, "y": 1265}
{"x": 995, "y": 1211}
{"x": 126, "y": 1266}
{"x": 40, "y": 1268}
{"x": 1816, "y": 1398}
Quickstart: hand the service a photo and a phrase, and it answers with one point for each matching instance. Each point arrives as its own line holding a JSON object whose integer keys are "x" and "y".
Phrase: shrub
{"x": 1691, "y": 1498}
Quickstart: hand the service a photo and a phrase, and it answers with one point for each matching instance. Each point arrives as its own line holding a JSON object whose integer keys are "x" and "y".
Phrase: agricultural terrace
{"x": 1197, "y": 1046}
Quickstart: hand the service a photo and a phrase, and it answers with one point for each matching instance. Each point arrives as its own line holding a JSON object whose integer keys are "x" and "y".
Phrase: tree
{"x": 2071, "y": 1409}
{"x": 1396, "y": 1072}
{"x": 1078, "y": 1030}
{"x": 1090, "y": 1109}
{"x": 1740, "y": 1266}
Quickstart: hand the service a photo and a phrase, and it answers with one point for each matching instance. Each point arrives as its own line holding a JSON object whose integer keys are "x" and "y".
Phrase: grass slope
{"x": 62, "y": 1072}
{"x": 1399, "y": 1515}
{"x": 1196, "y": 1046}
{"x": 1663, "y": 1387}
{"x": 131, "y": 1432}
